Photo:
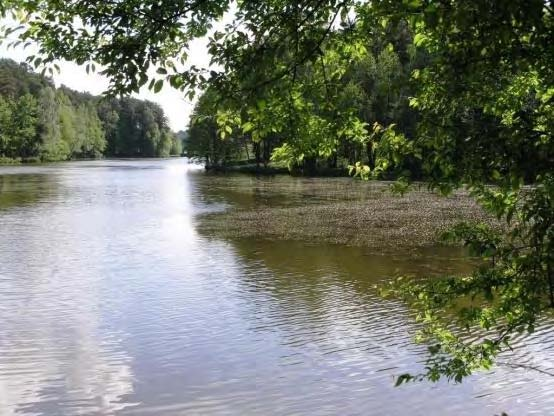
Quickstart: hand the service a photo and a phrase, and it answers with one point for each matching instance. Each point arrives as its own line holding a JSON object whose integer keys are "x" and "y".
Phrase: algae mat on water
{"x": 333, "y": 210}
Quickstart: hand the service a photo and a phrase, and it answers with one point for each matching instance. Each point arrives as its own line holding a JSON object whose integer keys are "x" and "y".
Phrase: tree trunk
{"x": 309, "y": 166}
{"x": 257, "y": 153}
{"x": 246, "y": 147}
{"x": 550, "y": 276}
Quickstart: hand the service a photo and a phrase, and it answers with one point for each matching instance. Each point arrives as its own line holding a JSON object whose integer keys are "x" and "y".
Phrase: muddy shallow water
{"x": 333, "y": 210}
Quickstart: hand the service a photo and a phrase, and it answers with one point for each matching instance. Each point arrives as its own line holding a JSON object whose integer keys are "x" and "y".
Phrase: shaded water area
{"x": 117, "y": 298}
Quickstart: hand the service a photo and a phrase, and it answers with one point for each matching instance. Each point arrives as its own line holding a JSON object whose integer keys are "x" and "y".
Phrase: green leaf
{"x": 158, "y": 86}
{"x": 403, "y": 378}
{"x": 248, "y": 126}
{"x": 419, "y": 39}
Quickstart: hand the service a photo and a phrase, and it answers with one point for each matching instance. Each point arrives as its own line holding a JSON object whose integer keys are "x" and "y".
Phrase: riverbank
{"x": 18, "y": 161}
{"x": 336, "y": 210}
{"x": 248, "y": 168}
{"x": 37, "y": 160}
{"x": 6, "y": 161}
{"x": 252, "y": 168}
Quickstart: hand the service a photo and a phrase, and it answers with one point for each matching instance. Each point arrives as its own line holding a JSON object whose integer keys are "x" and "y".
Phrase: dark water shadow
{"x": 22, "y": 190}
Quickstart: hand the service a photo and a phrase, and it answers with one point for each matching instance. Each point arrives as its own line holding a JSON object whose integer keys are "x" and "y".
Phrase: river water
{"x": 112, "y": 302}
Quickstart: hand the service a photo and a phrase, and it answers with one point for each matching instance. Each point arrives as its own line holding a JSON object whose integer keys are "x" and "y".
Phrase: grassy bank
{"x": 334, "y": 210}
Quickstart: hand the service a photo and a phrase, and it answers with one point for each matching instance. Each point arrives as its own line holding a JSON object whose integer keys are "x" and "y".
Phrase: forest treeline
{"x": 313, "y": 134}
{"x": 39, "y": 122}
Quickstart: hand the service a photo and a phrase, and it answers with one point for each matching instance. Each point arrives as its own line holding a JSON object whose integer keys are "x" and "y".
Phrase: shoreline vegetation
{"x": 4, "y": 161}
{"x": 253, "y": 168}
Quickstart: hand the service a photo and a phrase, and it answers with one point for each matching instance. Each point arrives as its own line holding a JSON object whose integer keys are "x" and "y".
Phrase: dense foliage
{"x": 40, "y": 122}
{"x": 328, "y": 115}
{"x": 459, "y": 92}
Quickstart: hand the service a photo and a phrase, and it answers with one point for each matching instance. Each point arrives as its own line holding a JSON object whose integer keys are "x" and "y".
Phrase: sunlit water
{"x": 111, "y": 302}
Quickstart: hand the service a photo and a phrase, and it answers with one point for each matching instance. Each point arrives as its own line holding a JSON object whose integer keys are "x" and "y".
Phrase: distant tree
{"x": 23, "y": 128}
{"x": 182, "y": 136}
{"x": 176, "y": 145}
{"x": 6, "y": 111}
{"x": 93, "y": 140}
{"x": 108, "y": 112}
{"x": 68, "y": 127}
{"x": 50, "y": 137}
{"x": 149, "y": 131}
{"x": 19, "y": 79}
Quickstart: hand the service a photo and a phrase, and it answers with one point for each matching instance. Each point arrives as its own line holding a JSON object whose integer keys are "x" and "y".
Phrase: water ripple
{"x": 113, "y": 304}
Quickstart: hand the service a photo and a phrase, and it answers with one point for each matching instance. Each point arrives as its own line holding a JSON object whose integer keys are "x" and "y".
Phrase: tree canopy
{"x": 481, "y": 99}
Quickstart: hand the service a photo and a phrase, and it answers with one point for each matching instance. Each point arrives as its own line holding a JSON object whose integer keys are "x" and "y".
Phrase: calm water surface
{"x": 111, "y": 302}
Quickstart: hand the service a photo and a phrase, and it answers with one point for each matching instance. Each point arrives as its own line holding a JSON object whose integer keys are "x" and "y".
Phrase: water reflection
{"x": 18, "y": 191}
{"x": 112, "y": 303}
